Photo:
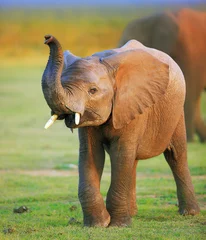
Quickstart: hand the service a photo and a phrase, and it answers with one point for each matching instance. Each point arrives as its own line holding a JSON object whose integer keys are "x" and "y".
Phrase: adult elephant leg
{"x": 189, "y": 109}
{"x": 176, "y": 156}
{"x": 119, "y": 194}
{"x": 199, "y": 123}
{"x": 133, "y": 201}
{"x": 91, "y": 164}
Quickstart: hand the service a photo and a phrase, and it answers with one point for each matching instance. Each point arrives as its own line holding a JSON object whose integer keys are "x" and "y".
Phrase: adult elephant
{"x": 182, "y": 35}
{"x": 129, "y": 102}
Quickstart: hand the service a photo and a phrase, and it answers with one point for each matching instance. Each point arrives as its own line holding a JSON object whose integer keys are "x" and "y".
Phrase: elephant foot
{"x": 123, "y": 222}
{"x": 101, "y": 220}
{"x": 189, "y": 210}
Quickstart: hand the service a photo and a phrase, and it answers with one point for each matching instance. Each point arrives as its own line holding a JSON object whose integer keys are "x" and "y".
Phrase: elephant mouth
{"x": 71, "y": 120}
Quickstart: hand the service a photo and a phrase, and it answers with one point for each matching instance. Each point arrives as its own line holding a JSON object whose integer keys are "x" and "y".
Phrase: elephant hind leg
{"x": 176, "y": 157}
{"x": 200, "y": 126}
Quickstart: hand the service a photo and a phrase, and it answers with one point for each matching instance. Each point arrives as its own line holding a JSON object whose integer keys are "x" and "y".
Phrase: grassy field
{"x": 38, "y": 168}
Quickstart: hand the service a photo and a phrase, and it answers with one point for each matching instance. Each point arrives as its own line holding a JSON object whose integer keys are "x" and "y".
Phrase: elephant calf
{"x": 129, "y": 102}
{"x": 182, "y": 35}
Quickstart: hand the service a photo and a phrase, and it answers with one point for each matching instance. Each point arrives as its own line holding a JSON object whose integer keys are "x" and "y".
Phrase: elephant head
{"x": 87, "y": 91}
{"x": 75, "y": 88}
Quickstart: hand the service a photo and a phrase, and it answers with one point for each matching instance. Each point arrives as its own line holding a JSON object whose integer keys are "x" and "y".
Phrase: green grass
{"x": 38, "y": 167}
{"x": 50, "y": 199}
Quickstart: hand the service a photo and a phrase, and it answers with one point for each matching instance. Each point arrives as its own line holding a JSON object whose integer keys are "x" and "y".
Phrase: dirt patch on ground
{"x": 66, "y": 173}
{"x": 44, "y": 172}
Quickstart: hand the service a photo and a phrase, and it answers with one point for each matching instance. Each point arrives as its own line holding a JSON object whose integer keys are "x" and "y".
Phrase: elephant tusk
{"x": 51, "y": 121}
{"x": 77, "y": 118}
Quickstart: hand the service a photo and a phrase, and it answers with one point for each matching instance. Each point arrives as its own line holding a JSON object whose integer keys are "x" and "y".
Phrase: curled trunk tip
{"x": 49, "y": 39}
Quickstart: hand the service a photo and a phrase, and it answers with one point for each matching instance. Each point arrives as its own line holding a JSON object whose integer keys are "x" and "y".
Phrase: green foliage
{"x": 38, "y": 168}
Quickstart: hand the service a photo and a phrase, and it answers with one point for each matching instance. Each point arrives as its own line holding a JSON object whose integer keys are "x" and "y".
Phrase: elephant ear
{"x": 140, "y": 82}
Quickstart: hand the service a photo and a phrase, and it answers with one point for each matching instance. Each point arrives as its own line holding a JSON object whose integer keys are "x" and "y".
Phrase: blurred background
{"x": 83, "y": 27}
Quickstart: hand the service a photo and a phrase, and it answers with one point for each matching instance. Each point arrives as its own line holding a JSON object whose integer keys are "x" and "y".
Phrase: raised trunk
{"x": 51, "y": 80}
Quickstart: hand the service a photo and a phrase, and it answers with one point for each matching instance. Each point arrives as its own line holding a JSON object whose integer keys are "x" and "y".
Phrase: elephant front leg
{"x": 133, "y": 198}
{"x": 121, "y": 197}
{"x": 176, "y": 156}
{"x": 93, "y": 207}
{"x": 91, "y": 163}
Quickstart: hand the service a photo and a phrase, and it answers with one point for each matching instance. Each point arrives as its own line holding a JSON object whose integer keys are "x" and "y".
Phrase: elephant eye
{"x": 92, "y": 90}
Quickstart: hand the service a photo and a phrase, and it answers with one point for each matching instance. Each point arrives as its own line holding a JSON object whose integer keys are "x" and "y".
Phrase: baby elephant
{"x": 129, "y": 102}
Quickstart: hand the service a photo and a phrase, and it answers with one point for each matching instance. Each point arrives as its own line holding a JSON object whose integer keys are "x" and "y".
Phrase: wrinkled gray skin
{"x": 182, "y": 35}
{"x": 131, "y": 104}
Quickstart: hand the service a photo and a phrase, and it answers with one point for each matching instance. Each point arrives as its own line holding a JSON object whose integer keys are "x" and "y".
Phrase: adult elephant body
{"x": 182, "y": 35}
{"x": 129, "y": 102}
